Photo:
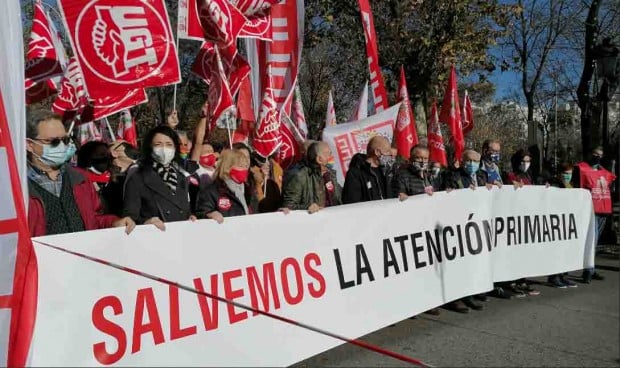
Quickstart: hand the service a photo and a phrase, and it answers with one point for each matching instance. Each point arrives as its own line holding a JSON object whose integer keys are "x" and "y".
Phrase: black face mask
{"x": 101, "y": 164}
{"x": 595, "y": 160}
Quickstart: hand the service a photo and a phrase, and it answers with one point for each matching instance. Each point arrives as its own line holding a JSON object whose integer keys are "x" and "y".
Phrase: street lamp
{"x": 607, "y": 67}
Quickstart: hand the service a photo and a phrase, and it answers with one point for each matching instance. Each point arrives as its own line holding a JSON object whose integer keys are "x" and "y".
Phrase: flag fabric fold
{"x": 361, "y": 108}
{"x": 405, "y": 134}
{"x": 377, "y": 84}
{"x": 451, "y": 115}
{"x": 437, "y": 149}
{"x": 330, "y": 118}
{"x": 468, "y": 115}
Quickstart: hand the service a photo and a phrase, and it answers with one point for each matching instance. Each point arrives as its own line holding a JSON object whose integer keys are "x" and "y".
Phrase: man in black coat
{"x": 369, "y": 176}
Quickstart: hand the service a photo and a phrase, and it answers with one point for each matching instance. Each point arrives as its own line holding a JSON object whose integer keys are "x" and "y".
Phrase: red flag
{"x": 72, "y": 96}
{"x": 188, "y": 23}
{"x": 267, "y": 137}
{"x": 258, "y": 26}
{"x": 18, "y": 296}
{"x": 221, "y": 24}
{"x": 468, "y": 115}
{"x": 122, "y": 45}
{"x": 250, "y": 7}
{"x": 451, "y": 115}
{"x": 220, "y": 98}
{"x": 205, "y": 66}
{"x": 290, "y": 151}
{"x": 298, "y": 116}
{"x": 376, "y": 78}
{"x": 37, "y": 92}
{"x": 127, "y": 129}
{"x": 406, "y": 134}
{"x": 88, "y": 132}
{"x": 45, "y": 55}
{"x": 436, "y": 146}
{"x": 245, "y": 112}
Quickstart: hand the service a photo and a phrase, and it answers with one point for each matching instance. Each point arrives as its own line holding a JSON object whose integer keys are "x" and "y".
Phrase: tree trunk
{"x": 583, "y": 91}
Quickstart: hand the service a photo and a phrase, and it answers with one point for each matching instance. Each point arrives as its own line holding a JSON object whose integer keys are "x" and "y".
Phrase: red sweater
{"x": 86, "y": 199}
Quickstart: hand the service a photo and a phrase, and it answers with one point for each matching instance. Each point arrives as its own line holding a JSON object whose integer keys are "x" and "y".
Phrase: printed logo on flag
{"x": 115, "y": 38}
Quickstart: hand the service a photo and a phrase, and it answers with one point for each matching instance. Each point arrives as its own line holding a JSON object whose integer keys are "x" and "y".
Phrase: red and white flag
{"x": 377, "y": 84}
{"x": 72, "y": 96}
{"x": 89, "y": 132}
{"x": 290, "y": 150}
{"x": 221, "y": 103}
{"x": 361, "y": 108}
{"x": 436, "y": 147}
{"x": 235, "y": 71}
{"x": 330, "y": 118}
{"x": 37, "y": 92}
{"x": 451, "y": 115}
{"x": 468, "y": 114}
{"x": 258, "y": 26}
{"x": 188, "y": 21}
{"x": 45, "y": 57}
{"x": 267, "y": 137}
{"x": 18, "y": 274}
{"x": 221, "y": 24}
{"x": 251, "y": 7}
{"x": 245, "y": 110}
{"x": 127, "y": 128}
{"x": 298, "y": 117}
{"x": 121, "y": 45}
{"x": 405, "y": 134}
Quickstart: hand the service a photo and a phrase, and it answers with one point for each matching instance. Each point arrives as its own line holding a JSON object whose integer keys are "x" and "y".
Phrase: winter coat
{"x": 362, "y": 183}
{"x": 307, "y": 186}
{"x": 146, "y": 196}
{"x": 217, "y": 196}
{"x": 408, "y": 181}
{"x": 86, "y": 199}
{"x": 459, "y": 179}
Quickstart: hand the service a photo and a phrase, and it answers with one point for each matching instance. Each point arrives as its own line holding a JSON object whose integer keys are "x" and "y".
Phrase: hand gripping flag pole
{"x": 355, "y": 342}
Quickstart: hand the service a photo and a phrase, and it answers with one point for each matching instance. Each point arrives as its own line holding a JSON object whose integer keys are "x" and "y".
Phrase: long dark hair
{"x": 86, "y": 152}
{"x": 147, "y": 144}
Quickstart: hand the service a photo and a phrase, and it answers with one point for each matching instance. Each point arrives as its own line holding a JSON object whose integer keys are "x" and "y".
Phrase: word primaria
{"x": 473, "y": 237}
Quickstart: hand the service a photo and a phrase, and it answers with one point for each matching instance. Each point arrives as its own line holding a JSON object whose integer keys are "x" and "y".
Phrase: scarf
{"x": 239, "y": 190}
{"x": 168, "y": 174}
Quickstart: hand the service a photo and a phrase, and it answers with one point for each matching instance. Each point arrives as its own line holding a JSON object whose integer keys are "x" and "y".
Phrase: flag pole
{"x": 174, "y": 95}
{"x": 107, "y": 123}
{"x": 228, "y": 117}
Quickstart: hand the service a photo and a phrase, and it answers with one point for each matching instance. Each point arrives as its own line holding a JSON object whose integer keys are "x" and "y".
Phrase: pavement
{"x": 559, "y": 328}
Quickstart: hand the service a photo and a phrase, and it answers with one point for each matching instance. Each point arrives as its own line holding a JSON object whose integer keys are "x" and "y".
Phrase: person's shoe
{"x": 586, "y": 277}
{"x": 500, "y": 292}
{"x": 433, "y": 312}
{"x": 469, "y": 301}
{"x": 527, "y": 289}
{"x": 568, "y": 282}
{"x": 557, "y": 283}
{"x": 481, "y": 297}
{"x": 517, "y": 292}
{"x": 457, "y": 306}
{"x": 597, "y": 276}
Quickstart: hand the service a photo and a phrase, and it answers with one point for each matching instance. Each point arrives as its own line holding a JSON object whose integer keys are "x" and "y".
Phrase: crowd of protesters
{"x": 174, "y": 179}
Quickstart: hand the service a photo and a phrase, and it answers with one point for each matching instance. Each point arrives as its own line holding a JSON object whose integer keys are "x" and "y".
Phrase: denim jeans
{"x": 600, "y": 225}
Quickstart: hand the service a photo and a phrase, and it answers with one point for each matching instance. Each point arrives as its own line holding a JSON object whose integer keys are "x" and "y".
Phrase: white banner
{"x": 350, "y": 270}
{"x": 345, "y": 140}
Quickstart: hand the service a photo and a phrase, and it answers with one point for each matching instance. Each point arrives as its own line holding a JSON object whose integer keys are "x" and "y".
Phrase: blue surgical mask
{"x": 472, "y": 167}
{"x": 567, "y": 177}
{"x": 71, "y": 150}
{"x": 495, "y": 157}
{"x": 55, "y": 156}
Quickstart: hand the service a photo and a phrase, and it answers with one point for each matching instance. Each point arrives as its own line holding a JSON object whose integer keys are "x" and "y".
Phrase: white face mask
{"x": 163, "y": 155}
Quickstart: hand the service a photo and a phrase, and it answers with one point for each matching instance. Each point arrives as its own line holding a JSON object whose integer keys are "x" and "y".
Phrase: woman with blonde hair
{"x": 227, "y": 196}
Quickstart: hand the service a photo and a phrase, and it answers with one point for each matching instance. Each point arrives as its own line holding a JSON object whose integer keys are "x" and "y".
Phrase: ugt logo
{"x": 117, "y": 41}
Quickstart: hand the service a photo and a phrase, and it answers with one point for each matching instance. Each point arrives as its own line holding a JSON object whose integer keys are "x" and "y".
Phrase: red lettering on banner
{"x": 109, "y": 328}
{"x": 231, "y": 294}
{"x": 209, "y": 314}
{"x": 263, "y": 289}
{"x": 315, "y": 292}
{"x": 146, "y": 298}
{"x": 176, "y": 331}
{"x": 286, "y": 287}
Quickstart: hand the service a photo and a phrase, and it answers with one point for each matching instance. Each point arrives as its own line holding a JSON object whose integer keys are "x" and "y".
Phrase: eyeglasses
{"x": 54, "y": 142}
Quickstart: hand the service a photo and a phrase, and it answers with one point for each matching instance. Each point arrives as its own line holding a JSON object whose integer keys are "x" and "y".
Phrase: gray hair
{"x": 37, "y": 117}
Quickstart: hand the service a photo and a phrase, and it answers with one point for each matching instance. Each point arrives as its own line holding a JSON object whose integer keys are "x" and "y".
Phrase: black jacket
{"x": 362, "y": 184}
{"x": 146, "y": 196}
{"x": 459, "y": 179}
{"x": 218, "y": 197}
{"x": 408, "y": 181}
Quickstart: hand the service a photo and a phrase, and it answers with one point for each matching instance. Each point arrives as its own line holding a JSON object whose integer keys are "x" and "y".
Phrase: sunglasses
{"x": 54, "y": 142}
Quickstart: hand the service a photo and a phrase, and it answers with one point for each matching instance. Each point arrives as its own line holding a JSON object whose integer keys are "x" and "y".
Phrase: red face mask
{"x": 239, "y": 176}
{"x": 208, "y": 160}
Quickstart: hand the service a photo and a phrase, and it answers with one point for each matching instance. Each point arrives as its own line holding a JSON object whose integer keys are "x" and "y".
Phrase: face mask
{"x": 494, "y": 157}
{"x": 208, "y": 160}
{"x": 386, "y": 160}
{"x": 54, "y": 156}
{"x": 595, "y": 161}
{"x": 420, "y": 166}
{"x": 71, "y": 150}
{"x": 239, "y": 176}
{"x": 524, "y": 166}
{"x": 100, "y": 164}
{"x": 163, "y": 155}
{"x": 472, "y": 167}
{"x": 184, "y": 155}
{"x": 331, "y": 162}
{"x": 567, "y": 177}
